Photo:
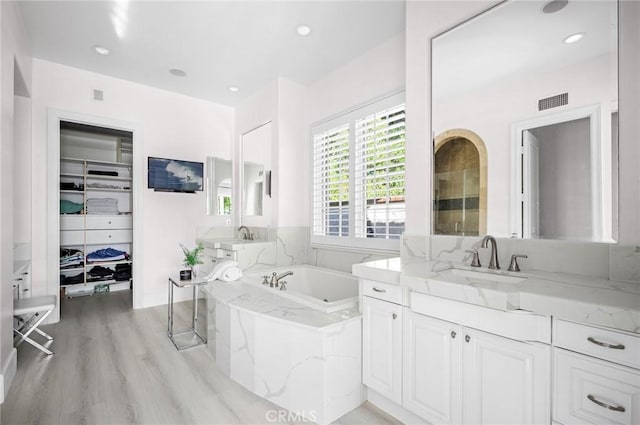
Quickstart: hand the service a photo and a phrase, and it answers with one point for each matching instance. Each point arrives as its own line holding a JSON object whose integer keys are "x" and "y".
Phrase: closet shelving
{"x": 98, "y": 215}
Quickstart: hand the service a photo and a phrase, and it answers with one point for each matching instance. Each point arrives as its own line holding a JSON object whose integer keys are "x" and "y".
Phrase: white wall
{"x": 22, "y": 170}
{"x": 172, "y": 126}
{"x": 13, "y": 51}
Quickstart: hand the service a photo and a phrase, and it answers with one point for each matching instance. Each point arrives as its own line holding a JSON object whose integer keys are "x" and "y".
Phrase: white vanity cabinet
{"x": 382, "y": 339}
{"x": 457, "y": 374}
{"x": 596, "y": 375}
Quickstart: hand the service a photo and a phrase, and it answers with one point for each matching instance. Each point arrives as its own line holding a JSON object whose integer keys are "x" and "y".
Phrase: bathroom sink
{"x": 485, "y": 276}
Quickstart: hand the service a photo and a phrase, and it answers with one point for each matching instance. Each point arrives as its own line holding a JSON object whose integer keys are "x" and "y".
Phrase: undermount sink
{"x": 486, "y": 276}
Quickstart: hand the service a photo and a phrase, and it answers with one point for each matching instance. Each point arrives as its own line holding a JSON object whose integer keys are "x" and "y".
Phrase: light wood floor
{"x": 115, "y": 365}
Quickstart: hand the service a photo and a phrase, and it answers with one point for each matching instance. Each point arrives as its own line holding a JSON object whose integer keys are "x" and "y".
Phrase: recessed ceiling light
{"x": 234, "y": 89}
{"x": 101, "y": 50}
{"x": 177, "y": 72}
{"x": 303, "y": 30}
{"x": 574, "y": 38}
{"x": 554, "y": 6}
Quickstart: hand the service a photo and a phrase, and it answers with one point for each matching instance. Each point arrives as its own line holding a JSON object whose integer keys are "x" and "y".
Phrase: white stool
{"x": 29, "y": 313}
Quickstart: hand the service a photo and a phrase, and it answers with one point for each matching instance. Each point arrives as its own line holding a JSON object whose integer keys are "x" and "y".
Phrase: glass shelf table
{"x": 190, "y": 337}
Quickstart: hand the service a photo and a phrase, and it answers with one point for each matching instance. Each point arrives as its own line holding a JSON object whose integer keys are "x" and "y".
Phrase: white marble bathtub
{"x": 321, "y": 289}
{"x": 285, "y": 346}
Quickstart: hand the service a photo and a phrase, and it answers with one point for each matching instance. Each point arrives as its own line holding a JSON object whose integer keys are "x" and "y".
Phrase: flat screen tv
{"x": 174, "y": 175}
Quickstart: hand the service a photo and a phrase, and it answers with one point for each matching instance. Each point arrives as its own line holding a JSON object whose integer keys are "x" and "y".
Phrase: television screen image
{"x": 173, "y": 175}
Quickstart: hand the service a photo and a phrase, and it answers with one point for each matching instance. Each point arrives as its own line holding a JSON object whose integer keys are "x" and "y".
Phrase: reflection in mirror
{"x": 545, "y": 112}
{"x": 219, "y": 186}
{"x": 459, "y": 184}
{"x": 256, "y": 158}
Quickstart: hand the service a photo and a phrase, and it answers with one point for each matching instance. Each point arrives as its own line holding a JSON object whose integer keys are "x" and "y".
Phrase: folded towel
{"x": 230, "y": 274}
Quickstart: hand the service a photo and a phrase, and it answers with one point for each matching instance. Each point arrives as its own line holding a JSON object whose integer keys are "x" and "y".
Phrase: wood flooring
{"x": 115, "y": 365}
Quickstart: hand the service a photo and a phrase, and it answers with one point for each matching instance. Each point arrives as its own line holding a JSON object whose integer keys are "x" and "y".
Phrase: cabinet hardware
{"x": 453, "y": 334}
{"x": 379, "y": 290}
{"x": 604, "y": 344}
{"x": 605, "y": 405}
{"x": 395, "y": 316}
{"x": 467, "y": 338}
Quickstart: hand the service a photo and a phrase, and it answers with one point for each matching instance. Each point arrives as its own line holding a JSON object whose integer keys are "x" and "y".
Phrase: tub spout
{"x": 275, "y": 278}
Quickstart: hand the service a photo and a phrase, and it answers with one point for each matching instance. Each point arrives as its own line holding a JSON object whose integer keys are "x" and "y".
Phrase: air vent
{"x": 98, "y": 95}
{"x": 553, "y": 101}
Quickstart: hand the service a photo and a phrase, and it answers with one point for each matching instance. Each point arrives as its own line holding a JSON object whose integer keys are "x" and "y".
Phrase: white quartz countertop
{"x": 572, "y": 297}
{"x": 252, "y": 298}
{"x": 230, "y": 243}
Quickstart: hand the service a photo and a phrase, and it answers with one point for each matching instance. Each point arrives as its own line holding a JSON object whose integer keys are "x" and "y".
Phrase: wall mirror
{"x": 219, "y": 186}
{"x": 524, "y": 120}
{"x": 256, "y": 174}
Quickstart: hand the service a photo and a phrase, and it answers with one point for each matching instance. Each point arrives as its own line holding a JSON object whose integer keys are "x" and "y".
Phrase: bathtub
{"x": 321, "y": 289}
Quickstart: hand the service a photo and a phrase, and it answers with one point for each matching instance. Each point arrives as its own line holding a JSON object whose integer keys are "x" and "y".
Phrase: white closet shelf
{"x": 105, "y": 189}
{"x": 94, "y": 162}
{"x": 75, "y": 269}
{"x": 108, "y": 263}
{"x": 79, "y": 192}
{"x": 72, "y": 175}
{"x": 110, "y": 178}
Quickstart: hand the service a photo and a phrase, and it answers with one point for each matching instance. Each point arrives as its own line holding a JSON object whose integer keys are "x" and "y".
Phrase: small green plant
{"x": 192, "y": 257}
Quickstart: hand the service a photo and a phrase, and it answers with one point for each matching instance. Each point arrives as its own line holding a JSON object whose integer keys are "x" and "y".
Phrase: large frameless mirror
{"x": 256, "y": 175}
{"x": 219, "y": 186}
{"x": 524, "y": 120}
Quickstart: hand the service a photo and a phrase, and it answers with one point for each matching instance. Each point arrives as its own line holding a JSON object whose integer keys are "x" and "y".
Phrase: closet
{"x": 96, "y": 215}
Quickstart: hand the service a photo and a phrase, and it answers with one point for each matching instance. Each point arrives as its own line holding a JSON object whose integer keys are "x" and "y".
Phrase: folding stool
{"x": 29, "y": 313}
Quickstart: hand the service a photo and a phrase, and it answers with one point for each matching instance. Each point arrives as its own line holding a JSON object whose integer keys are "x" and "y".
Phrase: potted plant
{"x": 192, "y": 257}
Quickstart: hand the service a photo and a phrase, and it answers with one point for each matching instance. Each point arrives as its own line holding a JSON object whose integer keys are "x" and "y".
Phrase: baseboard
{"x": 9, "y": 370}
{"x": 393, "y": 409}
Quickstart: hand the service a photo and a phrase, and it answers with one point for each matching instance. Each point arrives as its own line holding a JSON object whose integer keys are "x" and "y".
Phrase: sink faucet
{"x": 493, "y": 262}
{"x": 246, "y": 234}
{"x": 275, "y": 278}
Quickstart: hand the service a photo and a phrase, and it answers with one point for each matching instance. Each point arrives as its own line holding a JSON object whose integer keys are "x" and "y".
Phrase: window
{"x": 359, "y": 177}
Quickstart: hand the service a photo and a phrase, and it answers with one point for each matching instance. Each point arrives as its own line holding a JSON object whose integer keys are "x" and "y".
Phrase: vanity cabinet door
{"x": 382, "y": 347}
{"x": 505, "y": 381}
{"x": 432, "y": 368}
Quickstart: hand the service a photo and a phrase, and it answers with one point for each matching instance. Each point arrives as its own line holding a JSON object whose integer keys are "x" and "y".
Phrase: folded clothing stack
{"x": 102, "y": 173}
{"x": 71, "y": 258}
{"x": 106, "y": 254}
{"x": 99, "y": 273}
{"x": 123, "y": 272}
{"x": 71, "y": 186}
{"x": 102, "y": 206}
{"x": 72, "y": 279}
{"x": 68, "y": 207}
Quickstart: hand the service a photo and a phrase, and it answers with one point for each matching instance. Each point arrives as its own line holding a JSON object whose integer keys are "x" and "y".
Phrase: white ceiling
{"x": 219, "y": 44}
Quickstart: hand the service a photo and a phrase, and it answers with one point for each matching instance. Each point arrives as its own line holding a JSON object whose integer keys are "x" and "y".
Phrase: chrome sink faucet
{"x": 493, "y": 262}
{"x": 245, "y": 233}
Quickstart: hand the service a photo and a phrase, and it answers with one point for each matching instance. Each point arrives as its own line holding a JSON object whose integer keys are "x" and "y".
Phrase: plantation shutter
{"x": 380, "y": 174}
{"x": 331, "y": 182}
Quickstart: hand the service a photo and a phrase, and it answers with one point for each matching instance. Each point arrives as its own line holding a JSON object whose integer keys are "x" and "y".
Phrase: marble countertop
{"x": 572, "y": 297}
{"x": 252, "y": 298}
{"x": 231, "y": 243}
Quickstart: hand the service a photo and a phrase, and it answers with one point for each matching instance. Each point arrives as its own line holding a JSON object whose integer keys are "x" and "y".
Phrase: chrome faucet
{"x": 246, "y": 234}
{"x": 493, "y": 262}
{"x": 275, "y": 278}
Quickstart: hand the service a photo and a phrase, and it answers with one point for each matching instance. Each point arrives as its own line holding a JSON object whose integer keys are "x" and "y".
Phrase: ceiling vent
{"x": 553, "y": 101}
{"x": 98, "y": 95}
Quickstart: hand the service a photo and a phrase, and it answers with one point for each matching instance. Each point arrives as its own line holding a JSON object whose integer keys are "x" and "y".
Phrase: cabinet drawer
{"x": 228, "y": 254}
{"x": 109, "y": 222}
{"x": 606, "y": 344}
{"x": 72, "y": 237}
{"x": 71, "y": 222}
{"x": 382, "y": 291}
{"x": 592, "y": 391}
{"x": 108, "y": 236}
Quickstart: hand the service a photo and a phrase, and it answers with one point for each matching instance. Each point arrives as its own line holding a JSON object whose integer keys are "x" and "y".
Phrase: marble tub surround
{"x": 588, "y": 299}
{"x": 299, "y": 358}
{"x": 624, "y": 263}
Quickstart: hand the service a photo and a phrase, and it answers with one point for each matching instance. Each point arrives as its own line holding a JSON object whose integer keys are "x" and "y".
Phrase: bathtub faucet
{"x": 275, "y": 278}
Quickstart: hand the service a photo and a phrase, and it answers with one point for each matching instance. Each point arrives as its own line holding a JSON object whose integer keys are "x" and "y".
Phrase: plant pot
{"x": 185, "y": 274}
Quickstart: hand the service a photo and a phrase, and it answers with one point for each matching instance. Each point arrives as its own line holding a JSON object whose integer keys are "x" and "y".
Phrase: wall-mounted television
{"x": 174, "y": 175}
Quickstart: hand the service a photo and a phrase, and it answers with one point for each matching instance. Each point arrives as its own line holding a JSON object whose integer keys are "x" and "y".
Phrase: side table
{"x": 190, "y": 337}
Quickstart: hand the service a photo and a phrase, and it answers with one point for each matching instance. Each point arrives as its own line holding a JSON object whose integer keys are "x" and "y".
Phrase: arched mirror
{"x": 460, "y": 184}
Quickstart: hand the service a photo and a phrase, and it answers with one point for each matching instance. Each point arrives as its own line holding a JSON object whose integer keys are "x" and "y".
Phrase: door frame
{"x": 54, "y": 116}
{"x": 598, "y": 153}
